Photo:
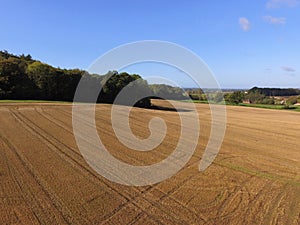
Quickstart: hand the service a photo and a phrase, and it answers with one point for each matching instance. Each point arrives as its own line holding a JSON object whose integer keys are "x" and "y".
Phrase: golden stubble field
{"x": 44, "y": 179}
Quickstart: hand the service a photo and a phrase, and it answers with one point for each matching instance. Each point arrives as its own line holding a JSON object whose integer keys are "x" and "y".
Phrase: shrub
{"x": 268, "y": 101}
{"x": 292, "y": 100}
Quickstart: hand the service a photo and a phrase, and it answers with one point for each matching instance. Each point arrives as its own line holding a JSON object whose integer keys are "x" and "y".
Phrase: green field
{"x": 280, "y": 107}
{"x": 277, "y": 107}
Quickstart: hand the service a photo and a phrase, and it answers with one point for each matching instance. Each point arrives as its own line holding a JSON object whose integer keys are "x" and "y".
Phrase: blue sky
{"x": 245, "y": 43}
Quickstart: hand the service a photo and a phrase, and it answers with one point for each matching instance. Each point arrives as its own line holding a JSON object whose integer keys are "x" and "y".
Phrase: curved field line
{"x": 58, "y": 204}
{"x": 77, "y": 164}
{"x": 271, "y": 216}
{"x": 256, "y": 197}
{"x": 60, "y": 123}
{"x": 232, "y": 195}
{"x": 132, "y": 200}
{"x": 51, "y": 142}
{"x": 294, "y": 214}
{"x": 14, "y": 177}
{"x": 170, "y": 192}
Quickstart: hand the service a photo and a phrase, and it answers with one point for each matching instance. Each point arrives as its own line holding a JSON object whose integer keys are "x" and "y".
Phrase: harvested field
{"x": 44, "y": 179}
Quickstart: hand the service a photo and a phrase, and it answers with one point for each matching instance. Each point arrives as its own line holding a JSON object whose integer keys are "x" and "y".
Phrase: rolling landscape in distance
{"x": 188, "y": 114}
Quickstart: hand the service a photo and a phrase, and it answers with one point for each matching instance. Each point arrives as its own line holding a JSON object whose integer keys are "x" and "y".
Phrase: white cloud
{"x": 244, "y": 23}
{"x": 271, "y": 4}
{"x": 288, "y": 69}
{"x": 275, "y": 20}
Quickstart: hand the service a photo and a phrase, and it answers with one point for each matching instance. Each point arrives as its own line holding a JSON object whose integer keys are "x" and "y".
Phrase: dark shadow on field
{"x": 166, "y": 106}
{"x": 170, "y": 109}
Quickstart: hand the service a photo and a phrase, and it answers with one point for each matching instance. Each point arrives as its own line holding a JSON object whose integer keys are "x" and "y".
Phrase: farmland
{"x": 44, "y": 179}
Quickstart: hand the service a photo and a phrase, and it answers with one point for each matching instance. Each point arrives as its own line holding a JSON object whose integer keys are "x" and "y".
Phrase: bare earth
{"x": 255, "y": 179}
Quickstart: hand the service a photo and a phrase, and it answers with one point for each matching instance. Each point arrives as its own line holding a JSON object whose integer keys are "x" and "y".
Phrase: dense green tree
{"x": 292, "y": 100}
{"x": 116, "y": 82}
{"x": 218, "y": 97}
{"x": 44, "y": 77}
{"x": 14, "y": 83}
{"x": 21, "y": 77}
{"x": 255, "y": 97}
{"x": 235, "y": 97}
{"x": 167, "y": 92}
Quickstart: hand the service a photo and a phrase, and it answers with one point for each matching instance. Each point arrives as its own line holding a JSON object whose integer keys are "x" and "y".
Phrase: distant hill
{"x": 275, "y": 91}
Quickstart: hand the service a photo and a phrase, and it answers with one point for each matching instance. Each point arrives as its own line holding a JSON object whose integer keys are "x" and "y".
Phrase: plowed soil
{"x": 44, "y": 179}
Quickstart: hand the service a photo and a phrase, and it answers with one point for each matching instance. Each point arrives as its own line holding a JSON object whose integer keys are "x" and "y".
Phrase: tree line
{"x": 275, "y": 91}
{"x": 254, "y": 95}
{"x": 24, "y": 78}
{"x": 266, "y": 96}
